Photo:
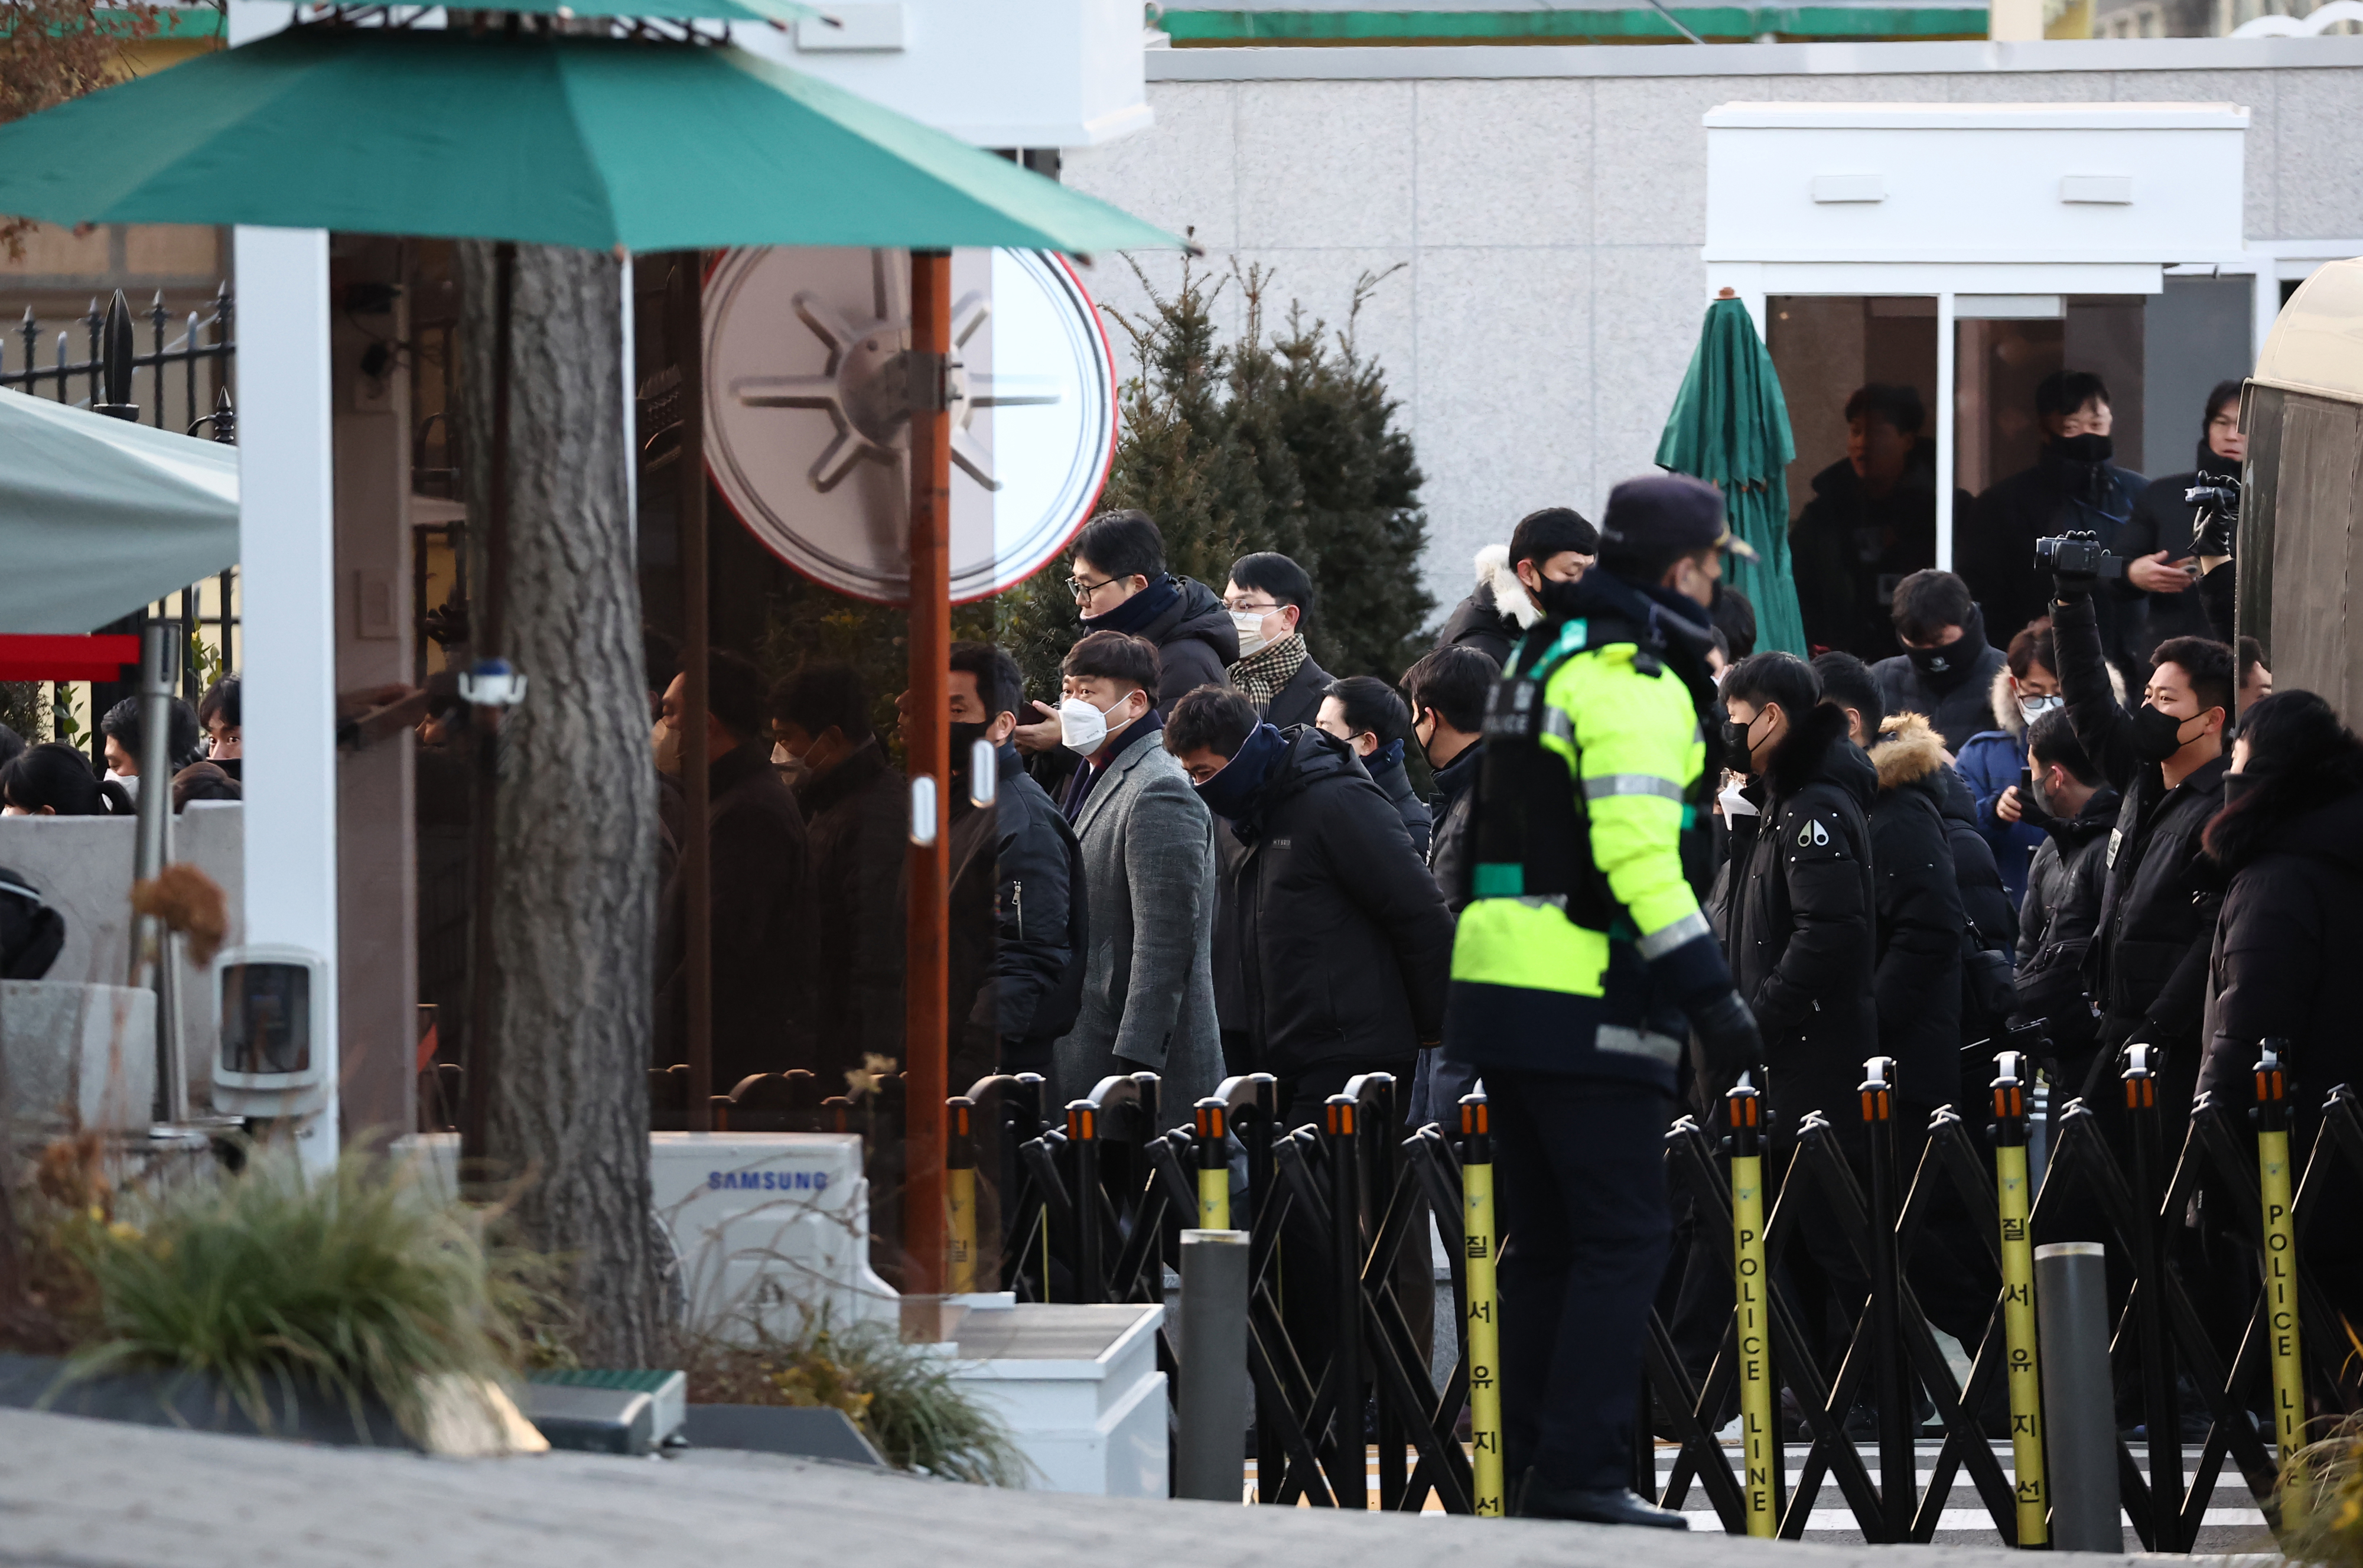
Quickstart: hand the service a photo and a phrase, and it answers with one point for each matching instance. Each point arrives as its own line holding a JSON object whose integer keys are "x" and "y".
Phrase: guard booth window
{"x": 2008, "y": 344}
{"x": 1861, "y": 493}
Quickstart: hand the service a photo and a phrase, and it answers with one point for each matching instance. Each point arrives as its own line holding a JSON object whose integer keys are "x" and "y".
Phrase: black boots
{"x": 1539, "y": 1499}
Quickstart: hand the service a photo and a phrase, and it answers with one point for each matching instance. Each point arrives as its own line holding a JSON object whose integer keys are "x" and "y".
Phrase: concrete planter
{"x": 79, "y": 1054}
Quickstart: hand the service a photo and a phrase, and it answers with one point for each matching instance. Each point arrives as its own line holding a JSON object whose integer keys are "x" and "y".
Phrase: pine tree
{"x": 1361, "y": 527}
{"x": 1284, "y": 444}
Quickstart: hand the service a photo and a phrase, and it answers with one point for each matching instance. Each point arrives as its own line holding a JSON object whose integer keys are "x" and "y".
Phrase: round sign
{"x": 808, "y": 434}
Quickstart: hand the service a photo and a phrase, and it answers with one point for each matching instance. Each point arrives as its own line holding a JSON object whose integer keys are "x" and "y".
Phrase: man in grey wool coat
{"x": 1149, "y": 866}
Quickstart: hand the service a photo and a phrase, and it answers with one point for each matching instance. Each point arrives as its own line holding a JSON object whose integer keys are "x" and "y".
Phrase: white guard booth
{"x": 1956, "y": 243}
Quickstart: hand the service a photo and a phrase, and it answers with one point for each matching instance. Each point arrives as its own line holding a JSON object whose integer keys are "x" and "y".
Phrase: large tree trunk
{"x": 575, "y": 866}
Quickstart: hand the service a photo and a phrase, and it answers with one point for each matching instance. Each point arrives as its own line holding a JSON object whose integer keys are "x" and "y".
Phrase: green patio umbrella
{"x": 592, "y": 142}
{"x": 1730, "y": 428}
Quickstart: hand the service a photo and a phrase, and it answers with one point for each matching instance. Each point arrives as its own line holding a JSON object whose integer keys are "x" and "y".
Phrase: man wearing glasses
{"x": 1120, "y": 584}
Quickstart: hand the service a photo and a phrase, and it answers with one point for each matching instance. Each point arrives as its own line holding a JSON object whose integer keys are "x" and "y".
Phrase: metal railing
{"x": 197, "y": 365}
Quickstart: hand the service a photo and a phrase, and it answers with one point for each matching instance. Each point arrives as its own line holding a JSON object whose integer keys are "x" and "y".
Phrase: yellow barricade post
{"x": 1752, "y": 1310}
{"x": 1213, "y": 1149}
{"x": 2014, "y": 1198}
{"x": 2281, "y": 1251}
{"x": 1482, "y": 1315}
{"x": 960, "y": 1197}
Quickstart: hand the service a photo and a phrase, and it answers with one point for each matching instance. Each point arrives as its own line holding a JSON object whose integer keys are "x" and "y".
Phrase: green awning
{"x": 592, "y": 142}
{"x": 100, "y": 518}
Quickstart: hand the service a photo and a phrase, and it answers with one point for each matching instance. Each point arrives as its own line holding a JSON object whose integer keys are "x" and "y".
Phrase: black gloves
{"x": 1726, "y": 1028}
{"x": 1695, "y": 972}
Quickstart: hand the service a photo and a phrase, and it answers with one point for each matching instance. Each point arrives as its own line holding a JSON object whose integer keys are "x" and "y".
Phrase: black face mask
{"x": 965, "y": 735}
{"x": 1735, "y": 745}
{"x": 2085, "y": 448}
{"x": 2238, "y": 786}
{"x": 2156, "y": 736}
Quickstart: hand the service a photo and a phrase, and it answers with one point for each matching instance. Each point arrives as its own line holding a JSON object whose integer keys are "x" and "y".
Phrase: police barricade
{"x": 1090, "y": 1210}
{"x": 2294, "y": 1343}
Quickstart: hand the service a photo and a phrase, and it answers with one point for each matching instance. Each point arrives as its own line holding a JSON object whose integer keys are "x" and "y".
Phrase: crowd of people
{"x": 53, "y": 778}
{"x": 1597, "y": 855}
{"x": 1592, "y": 853}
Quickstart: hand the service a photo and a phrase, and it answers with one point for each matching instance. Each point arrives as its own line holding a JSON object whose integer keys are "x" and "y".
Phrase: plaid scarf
{"x": 1261, "y": 677}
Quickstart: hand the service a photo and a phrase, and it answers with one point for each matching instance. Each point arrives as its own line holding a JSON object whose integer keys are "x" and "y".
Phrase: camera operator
{"x": 2147, "y": 969}
{"x": 2163, "y": 535}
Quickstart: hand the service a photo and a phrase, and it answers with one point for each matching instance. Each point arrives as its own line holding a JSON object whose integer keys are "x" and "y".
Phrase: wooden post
{"x": 927, "y": 976}
{"x": 688, "y": 331}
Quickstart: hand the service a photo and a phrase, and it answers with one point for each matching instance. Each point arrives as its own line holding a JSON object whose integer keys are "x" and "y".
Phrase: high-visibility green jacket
{"x": 1584, "y": 940}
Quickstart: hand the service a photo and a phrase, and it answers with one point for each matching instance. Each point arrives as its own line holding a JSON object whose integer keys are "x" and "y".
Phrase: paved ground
{"x": 77, "y": 1493}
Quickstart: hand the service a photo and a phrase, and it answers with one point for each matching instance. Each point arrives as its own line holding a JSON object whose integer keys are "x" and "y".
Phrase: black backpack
{"x": 31, "y": 933}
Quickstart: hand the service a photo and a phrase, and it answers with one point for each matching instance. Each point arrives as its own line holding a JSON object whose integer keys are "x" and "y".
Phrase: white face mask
{"x": 2033, "y": 709}
{"x": 1252, "y": 640}
{"x": 1084, "y": 728}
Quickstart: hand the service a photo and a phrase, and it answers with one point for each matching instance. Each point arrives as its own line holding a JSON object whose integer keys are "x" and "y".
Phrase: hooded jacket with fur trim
{"x": 1497, "y": 614}
{"x": 1798, "y": 920}
{"x": 1917, "y": 904}
{"x": 1990, "y": 763}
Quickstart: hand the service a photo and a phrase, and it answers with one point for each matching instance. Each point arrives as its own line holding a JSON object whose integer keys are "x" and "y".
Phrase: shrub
{"x": 362, "y": 1283}
{"x": 2319, "y": 1498}
{"x": 901, "y": 1396}
{"x": 1281, "y": 441}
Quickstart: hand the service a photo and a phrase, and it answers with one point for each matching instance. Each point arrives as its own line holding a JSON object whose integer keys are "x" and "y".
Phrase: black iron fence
{"x": 187, "y": 388}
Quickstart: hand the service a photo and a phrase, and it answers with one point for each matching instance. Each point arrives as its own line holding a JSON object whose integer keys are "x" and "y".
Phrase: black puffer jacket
{"x": 1394, "y": 782}
{"x": 1918, "y": 908}
{"x": 1456, "y": 823}
{"x": 1799, "y": 921}
{"x": 2055, "y": 922}
{"x": 2283, "y": 962}
{"x": 857, "y": 819}
{"x": 1442, "y": 1083}
{"x": 1020, "y": 930}
{"x": 1850, "y": 549}
{"x": 1331, "y": 942}
{"x": 2147, "y": 967}
{"x": 1195, "y": 643}
{"x": 1957, "y": 700}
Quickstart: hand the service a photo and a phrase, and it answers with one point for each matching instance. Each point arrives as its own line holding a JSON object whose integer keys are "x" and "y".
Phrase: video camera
{"x": 2071, "y": 555}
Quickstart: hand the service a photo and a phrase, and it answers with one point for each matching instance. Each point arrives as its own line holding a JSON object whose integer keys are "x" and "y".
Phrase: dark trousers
{"x": 1579, "y": 1183}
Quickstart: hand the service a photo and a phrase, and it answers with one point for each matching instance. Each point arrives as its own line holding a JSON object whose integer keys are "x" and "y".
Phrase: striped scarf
{"x": 1262, "y": 676}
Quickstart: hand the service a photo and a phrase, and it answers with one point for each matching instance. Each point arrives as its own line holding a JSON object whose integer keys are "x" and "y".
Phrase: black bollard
{"x": 2161, "y": 1411}
{"x": 1898, "y": 1458}
{"x": 1349, "y": 1474}
{"x": 2071, "y": 1311}
{"x": 1083, "y": 1141}
{"x": 1211, "y": 1404}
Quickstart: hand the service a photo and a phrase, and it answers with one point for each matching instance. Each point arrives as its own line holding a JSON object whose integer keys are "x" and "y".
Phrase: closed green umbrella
{"x": 592, "y": 142}
{"x": 1730, "y": 428}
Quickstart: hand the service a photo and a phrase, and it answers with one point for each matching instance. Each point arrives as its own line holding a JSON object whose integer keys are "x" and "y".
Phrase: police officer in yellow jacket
{"x": 1578, "y": 970}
